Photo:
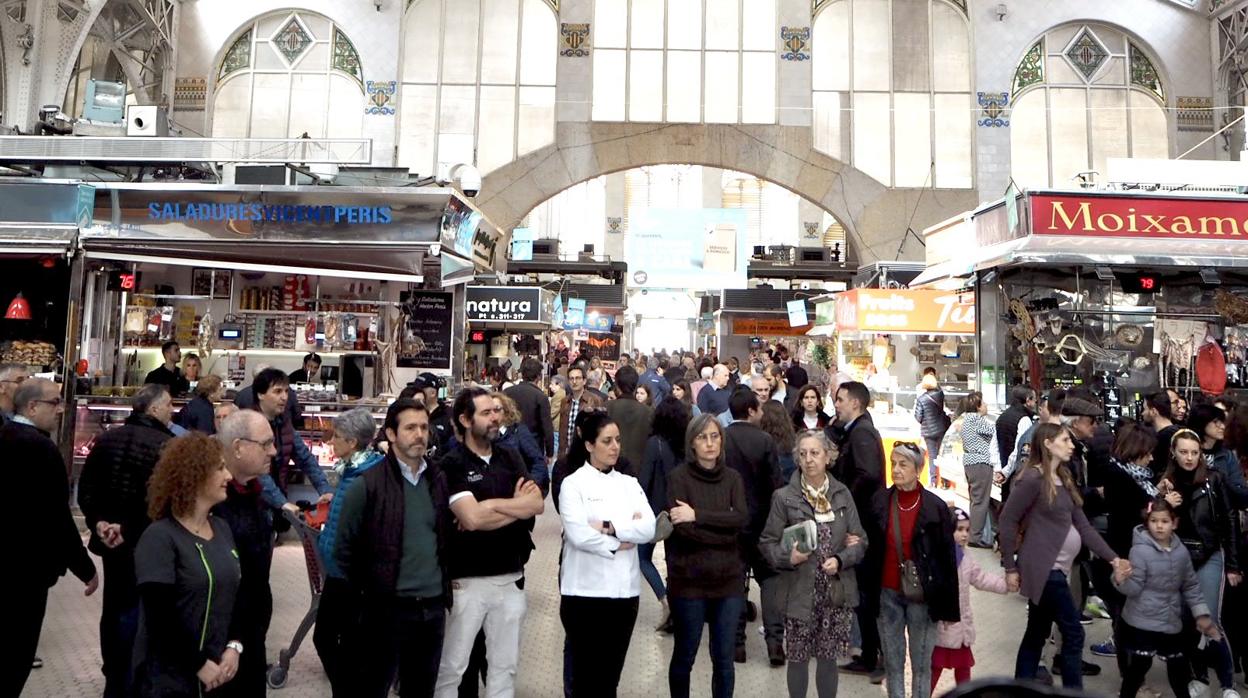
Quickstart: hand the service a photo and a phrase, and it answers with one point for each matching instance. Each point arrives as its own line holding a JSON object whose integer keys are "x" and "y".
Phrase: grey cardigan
{"x": 797, "y": 584}
{"x": 1034, "y": 530}
{"x": 1161, "y": 582}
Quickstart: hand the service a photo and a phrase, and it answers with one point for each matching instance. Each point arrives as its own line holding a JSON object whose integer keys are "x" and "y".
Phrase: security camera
{"x": 467, "y": 178}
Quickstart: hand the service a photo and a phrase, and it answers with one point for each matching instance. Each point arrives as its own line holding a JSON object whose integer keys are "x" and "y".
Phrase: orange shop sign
{"x": 913, "y": 311}
{"x": 767, "y": 327}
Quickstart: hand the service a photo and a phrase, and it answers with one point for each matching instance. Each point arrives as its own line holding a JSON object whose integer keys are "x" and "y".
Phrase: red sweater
{"x": 905, "y": 500}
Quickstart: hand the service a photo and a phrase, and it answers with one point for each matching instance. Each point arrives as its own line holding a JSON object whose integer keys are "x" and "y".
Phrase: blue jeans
{"x": 689, "y": 615}
{"x": 1218, "y": 654}
{"x": 898, "y": 619}
{"x": 645, "y": 554}
{"x": 1056, "y": 605}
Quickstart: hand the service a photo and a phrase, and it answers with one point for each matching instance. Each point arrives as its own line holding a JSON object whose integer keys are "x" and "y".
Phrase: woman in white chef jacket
{"x": 605, "y": 517}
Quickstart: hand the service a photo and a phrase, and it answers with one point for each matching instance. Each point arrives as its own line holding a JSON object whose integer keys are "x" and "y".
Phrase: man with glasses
{"x": 43, "y": 541}
{"x": 11, "y": 376}
{"x": 112, "y": 493}
{"x": 247, "y": 440}
{"x": 494, "y": 503}
{"x": 578, "y": 400}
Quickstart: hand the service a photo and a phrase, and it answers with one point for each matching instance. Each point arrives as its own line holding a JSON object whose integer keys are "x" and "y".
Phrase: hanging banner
{"x": 696, "y": 249}
{"x": 604, "y": 345}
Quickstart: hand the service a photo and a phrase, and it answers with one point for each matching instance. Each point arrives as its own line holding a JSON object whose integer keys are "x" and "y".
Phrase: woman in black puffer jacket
{"x": 929, "y": 412}
{"x": 1209, "y": 528}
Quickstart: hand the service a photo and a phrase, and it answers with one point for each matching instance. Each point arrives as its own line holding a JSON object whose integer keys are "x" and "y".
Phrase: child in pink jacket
{"x": 954, "y": 640}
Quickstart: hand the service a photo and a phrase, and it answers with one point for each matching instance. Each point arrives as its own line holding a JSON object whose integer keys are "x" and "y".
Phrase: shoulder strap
{"x": 893, "y": 504}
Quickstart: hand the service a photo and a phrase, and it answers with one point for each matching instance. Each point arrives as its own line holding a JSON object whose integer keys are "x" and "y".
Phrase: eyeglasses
{"x": 708, "y": 436}
{"x": 262, "y": 444}
{"x": 54, "y": 402}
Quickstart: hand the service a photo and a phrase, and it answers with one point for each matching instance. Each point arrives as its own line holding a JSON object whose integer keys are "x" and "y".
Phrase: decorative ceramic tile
{"x": 1031, "y": 69}
{"x": 615, "y": 225}
{"x": 190, "y": 94}
{"x": 575, "y": 39}
{"x": 238, "y": 57}
{"x": 16, "y": 10}
{"x": 992, "y": 109}
{"x": 1194, "y": 113}
{"x": 292, "y": 40}
{"x": 1086, "y": 53}
{"x": 795, "y": 41}
{"x": 1144, "y": 74}
{"x": 381, "y": 97}
{"x": 346, "y": 59}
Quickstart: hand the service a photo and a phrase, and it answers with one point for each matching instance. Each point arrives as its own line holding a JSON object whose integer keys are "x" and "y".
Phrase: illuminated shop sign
{"x": 278, "y": 213}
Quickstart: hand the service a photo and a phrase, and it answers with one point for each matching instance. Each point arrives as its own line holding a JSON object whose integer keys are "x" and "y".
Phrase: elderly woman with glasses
{"x": 816, "y": 574}
{"x": 353, "y": 447}
{"x": 919, "y": 578}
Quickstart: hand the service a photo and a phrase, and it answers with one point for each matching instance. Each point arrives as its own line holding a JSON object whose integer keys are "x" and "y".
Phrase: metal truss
{"x": 142, "y": 35}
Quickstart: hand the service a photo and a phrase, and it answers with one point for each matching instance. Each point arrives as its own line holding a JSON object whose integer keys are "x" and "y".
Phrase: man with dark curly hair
{"x": 248, "y": 442}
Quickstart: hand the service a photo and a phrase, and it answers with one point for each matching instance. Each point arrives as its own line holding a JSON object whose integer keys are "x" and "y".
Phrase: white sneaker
{"x": 1230, "y": 693}
{"x": 1195, "y": 689}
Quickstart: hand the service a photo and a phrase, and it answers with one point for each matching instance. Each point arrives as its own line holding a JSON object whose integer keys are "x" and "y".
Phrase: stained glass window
{"x": 710, "y": 61}
{"x": 1083, "y": 94}
{"x": 492, "y": 100}
{"x": 892, "y": 90}
{"x": 286, "y": 74}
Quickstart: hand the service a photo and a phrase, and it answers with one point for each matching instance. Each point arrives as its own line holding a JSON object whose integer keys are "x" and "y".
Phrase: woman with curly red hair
{"x": 187, "y": 573}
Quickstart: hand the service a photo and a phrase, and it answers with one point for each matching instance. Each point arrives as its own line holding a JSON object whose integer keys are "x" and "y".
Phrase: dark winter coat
{"x": 657, "y": 463}
{"x": 198, "y": 415}
{"x": 1208, "y": 523}
{"x": 1007, "y": 429}
{"x": 931, "y": 550}
{"x": 113, "y": 484}
{"x": 929, "y": 412}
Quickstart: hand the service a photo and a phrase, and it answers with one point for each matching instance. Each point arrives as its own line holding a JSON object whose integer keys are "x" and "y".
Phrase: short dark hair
{"x": 266, "y": 379}
{"x": 1201, "y": 416}
{"x": 164, "y": 348}
{"x": 1160, "y": 505}
{"x": 1133, "y": 442}
{"x": 671, "y": 418}
{"x": 312, "y": 356}
{"x": 970, "y": 402}
{"x": 626, "y": 380}
{"x": 466, "y": 405}
{"x": 1020, "y": 394}
{"x": 741, "y": 402}
{"x": 576, "y": 367}
{"x": 1160, "y": 403}
{"x": 397, "y": 408}
{"x": 855, "y": 390}
{"x": 530, "y": 369}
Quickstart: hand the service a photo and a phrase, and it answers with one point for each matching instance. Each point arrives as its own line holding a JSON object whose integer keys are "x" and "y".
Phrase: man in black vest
{"x": 860, "y": 466}
{"x": 392, "y": 548}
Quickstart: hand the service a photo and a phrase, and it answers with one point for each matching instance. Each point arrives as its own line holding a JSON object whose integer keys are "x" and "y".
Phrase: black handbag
{"x": 911, "y": 585}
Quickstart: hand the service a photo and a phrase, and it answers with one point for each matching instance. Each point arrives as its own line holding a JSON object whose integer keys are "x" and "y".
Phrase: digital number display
{"x": 123, "y": 281}
{"x": 477, "y": 337}
{"x": 1139, "y": 282}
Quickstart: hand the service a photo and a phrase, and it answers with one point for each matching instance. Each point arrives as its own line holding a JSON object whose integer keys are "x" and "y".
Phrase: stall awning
{"x": 1054, "y": 249}
{"x": 373, "y": 260}
{"x": 36, "y": 240}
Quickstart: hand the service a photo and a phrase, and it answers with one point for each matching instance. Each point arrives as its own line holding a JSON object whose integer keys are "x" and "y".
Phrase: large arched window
{"x": 710, "y": 61}
{"x": 478, "y": 82}
{"x": 892, "y": 81}
{"x": 287, "y": 74}
{"x": 1081, "y": 94}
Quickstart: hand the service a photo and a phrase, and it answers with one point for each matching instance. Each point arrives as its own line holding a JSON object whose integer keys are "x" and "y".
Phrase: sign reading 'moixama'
{"x": 1138, "y": 217}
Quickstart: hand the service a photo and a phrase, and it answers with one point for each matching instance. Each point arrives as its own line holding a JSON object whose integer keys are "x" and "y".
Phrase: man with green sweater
{"x": 391, "y": 547}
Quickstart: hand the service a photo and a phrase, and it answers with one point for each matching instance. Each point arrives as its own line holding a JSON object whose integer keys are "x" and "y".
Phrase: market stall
{"x": 885, "y": 338}
{"x": 1118, "y": 292}
{"x": 250, "y": 277}
{"x": 504, "y": 324}
{"x": 754, "y": 319}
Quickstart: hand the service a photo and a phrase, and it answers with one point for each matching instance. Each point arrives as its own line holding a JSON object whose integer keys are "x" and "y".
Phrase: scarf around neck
{"x": 817, "y": 497}
{"x": 1141, "y": 475}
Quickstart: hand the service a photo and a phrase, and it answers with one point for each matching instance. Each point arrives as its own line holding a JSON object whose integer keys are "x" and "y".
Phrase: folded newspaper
{"x": 804, "y": 536}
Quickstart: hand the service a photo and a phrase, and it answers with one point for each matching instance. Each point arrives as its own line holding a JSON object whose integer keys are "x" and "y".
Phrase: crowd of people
{"x": 744, "y": 474}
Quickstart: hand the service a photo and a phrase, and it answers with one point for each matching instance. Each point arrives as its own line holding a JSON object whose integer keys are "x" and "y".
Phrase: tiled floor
{"x": 71, "y": 655}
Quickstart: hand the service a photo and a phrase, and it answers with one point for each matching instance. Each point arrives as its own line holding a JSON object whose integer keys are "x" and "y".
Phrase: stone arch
{"x": 784, "y": 155}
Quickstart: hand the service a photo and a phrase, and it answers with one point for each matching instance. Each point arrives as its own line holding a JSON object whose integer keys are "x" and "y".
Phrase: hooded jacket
{"x": 797, "y": 584}
{"x": 1161, "y": 582}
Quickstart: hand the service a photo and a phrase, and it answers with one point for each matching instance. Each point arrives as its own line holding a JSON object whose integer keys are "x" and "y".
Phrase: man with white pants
{"x": 493, "y": 502}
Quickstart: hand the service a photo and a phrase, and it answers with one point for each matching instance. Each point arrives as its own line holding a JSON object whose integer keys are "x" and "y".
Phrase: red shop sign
{"x": 1137, "y": 217}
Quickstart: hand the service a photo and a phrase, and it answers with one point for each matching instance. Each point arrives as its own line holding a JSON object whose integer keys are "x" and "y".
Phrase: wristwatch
{"x": 234, "y": 645}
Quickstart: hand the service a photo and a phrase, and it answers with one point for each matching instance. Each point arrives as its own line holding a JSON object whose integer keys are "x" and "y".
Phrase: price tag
{"x": 166, "y": 317}
{"x": 153, "y": 328}
{"x": 312, "y": 408}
